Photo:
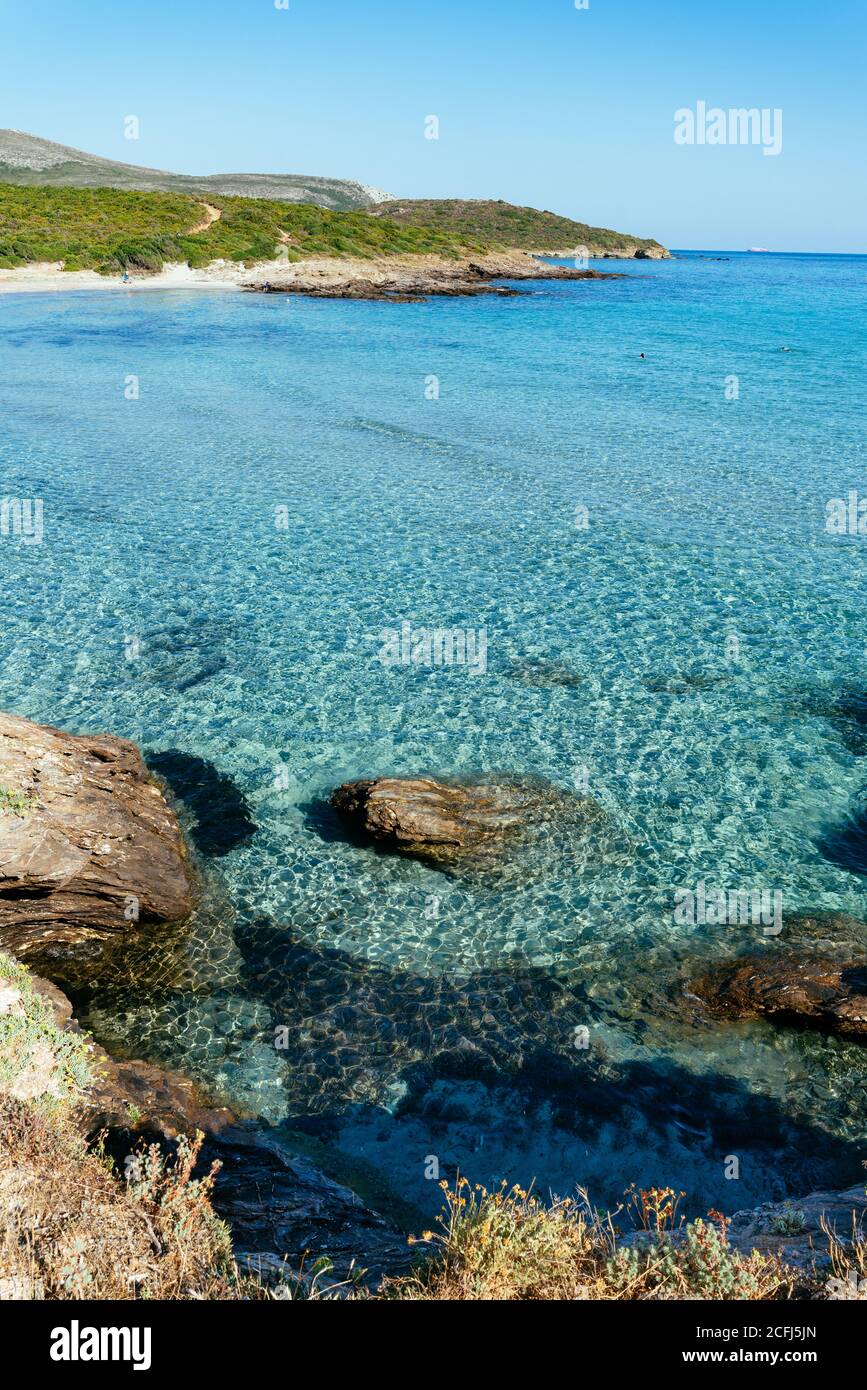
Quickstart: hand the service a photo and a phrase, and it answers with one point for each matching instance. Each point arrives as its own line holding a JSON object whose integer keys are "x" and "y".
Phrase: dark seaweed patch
{"x": 182, "y": 656}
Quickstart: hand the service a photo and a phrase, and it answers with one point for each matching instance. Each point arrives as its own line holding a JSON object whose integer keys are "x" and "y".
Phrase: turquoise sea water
{"x": 220, "y": 558}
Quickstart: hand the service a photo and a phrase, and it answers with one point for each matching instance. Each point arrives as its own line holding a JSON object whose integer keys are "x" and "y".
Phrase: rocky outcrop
{"x": 630, "y": 252}
{"x": 450, "y": 824}
{"x": 797, "y": 1232}
{"x": 285, "y": 1214}
{"x": 131, "y": 1095}
{"x": 787, "y": 986}
{"x": 89, "y": 847}
{"x": 412, "y": 279}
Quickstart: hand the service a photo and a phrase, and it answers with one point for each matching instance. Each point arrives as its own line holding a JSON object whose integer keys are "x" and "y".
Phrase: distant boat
{"x": 759, "y": 250}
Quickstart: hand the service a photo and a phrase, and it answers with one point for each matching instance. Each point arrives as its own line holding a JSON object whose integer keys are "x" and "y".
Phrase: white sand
{"x": 47, "y": 276}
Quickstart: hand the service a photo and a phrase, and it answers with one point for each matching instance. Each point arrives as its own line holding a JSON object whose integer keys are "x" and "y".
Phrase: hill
{"x": 28, "y": 159}
{"x": 504, "y": 224}
{"x": 109, "y": 230}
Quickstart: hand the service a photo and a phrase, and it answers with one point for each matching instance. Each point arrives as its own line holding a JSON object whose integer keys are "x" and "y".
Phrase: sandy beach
{"x": 49, "y": 277}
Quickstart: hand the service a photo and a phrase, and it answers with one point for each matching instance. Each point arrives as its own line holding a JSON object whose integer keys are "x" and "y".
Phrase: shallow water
{"x": 425, "y": 1014}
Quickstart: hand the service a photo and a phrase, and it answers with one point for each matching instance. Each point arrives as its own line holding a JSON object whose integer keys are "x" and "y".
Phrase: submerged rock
{"x": 449, "y": 823}
{"x": 818, "y": 991}
{"x": 846, "y": 844}
{"x": 540, "y": 672}
{"x": 89, "y": 847}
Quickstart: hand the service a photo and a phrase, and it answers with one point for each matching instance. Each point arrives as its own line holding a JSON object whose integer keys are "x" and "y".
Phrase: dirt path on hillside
{"x": 211, "y": 216}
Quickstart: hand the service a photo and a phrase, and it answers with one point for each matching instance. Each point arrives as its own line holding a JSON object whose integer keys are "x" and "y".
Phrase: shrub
{"x": 507, "y": 1245}
{"x": 39, "y": 1062}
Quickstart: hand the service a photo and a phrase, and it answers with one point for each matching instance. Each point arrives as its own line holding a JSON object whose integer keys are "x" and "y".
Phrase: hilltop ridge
{"x": 29, "y": 159}
{"x": 521, "y": 228}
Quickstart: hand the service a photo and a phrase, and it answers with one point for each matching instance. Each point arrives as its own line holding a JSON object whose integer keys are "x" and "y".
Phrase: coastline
{"x": 767, "y": 1226}
{"x": 50, "y": 278}
{"x": 395, "y": 278}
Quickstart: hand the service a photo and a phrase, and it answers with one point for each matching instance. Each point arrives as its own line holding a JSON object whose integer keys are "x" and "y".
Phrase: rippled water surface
{"x": 220, "y": 559}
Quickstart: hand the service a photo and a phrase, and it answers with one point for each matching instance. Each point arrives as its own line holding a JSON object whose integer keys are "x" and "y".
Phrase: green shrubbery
{"x": 39, "y": 1062}
{"x": 111, "y": 230}
{"x": 505, "y": 225}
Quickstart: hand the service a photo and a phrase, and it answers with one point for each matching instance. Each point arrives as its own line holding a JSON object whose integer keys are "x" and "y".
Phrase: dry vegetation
{"x": 72, "y": 1227}
{"x": 508, "y": 1245}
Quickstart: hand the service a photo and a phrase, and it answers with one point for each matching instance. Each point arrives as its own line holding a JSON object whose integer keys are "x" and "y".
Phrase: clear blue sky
{"x": 539, "y": 103}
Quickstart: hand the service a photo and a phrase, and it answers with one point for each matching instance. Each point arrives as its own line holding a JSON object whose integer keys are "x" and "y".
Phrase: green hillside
{"x": 504, "y": 224}
{"x": 110, "y": 230}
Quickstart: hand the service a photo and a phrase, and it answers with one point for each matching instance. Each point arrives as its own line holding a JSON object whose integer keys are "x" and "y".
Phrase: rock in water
{"x": 88, "y": 845}
{"x": 450, "y": 824}
{"x": 824, "y": 992}
{"x": 285, "y": 1214}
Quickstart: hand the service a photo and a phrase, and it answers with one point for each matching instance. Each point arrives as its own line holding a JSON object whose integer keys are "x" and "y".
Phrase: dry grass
{"x": 848, "y": 1257}
{"x": 508, "y": 1246}
{"x": 71, "y": 1227}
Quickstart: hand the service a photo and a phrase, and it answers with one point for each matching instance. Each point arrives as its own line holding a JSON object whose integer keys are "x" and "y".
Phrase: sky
{"x": 539, "y": 102}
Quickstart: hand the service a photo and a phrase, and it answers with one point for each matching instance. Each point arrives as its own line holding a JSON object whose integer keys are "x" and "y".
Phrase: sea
{"x": 640, "y": 499}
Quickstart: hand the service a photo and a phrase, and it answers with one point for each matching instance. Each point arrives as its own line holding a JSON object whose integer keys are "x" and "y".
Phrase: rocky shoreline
{"x": 411, "y": 279}
{"x": 396, "y": 279}
{"x": 85, "y": 830}
{"x": 90, "y": 846}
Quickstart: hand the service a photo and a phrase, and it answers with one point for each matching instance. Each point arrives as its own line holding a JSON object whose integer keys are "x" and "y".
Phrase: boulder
{"x": 89, "y": 847}
{"x": 450, "y": 823}
{"x": 795, "y": 1231}
{"x": 789, "y": 987}
{"x": 285, "y": 1214}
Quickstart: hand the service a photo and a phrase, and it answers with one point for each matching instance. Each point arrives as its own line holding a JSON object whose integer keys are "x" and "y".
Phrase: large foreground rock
{"x": 450, "y": 824}
{"x": 88, "y": 845}
{"x": 789, "y": 987}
